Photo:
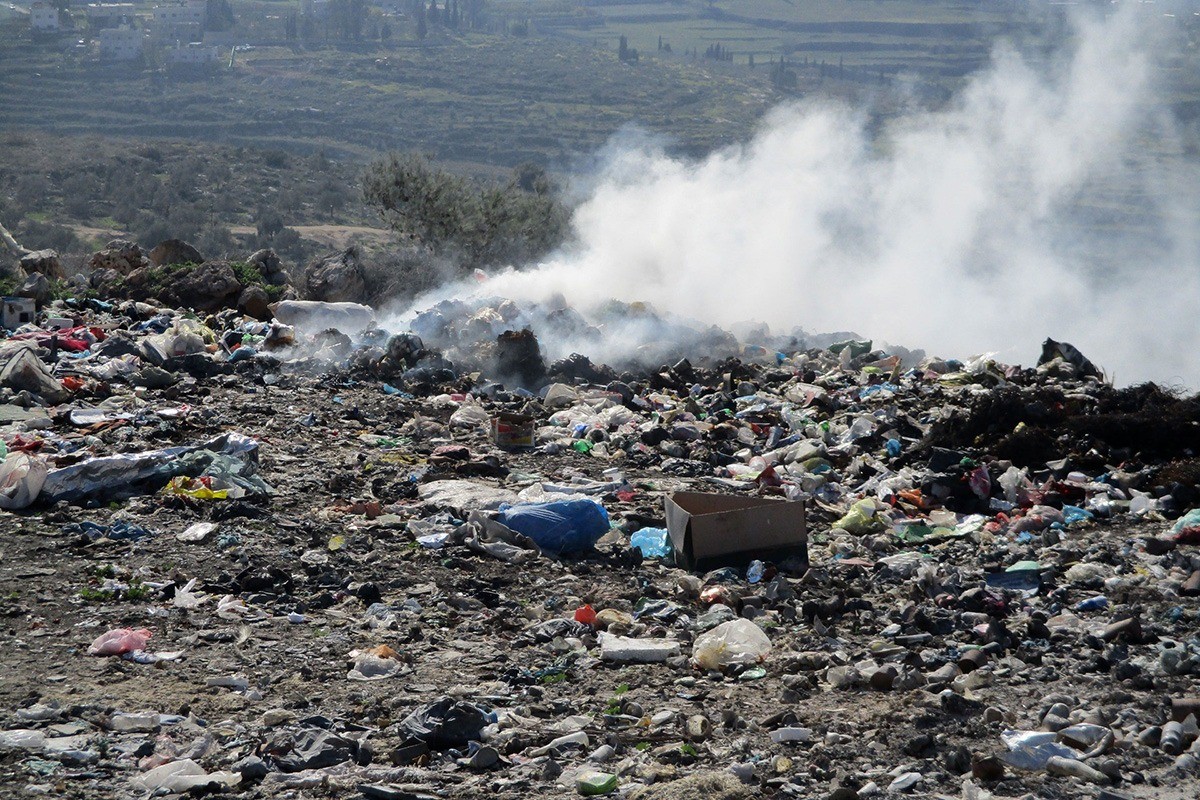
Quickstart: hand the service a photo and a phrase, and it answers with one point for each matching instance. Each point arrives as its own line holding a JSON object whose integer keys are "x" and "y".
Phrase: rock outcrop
{"x": 338, "y": 278}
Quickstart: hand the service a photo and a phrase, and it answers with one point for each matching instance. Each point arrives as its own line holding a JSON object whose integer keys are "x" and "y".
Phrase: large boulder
{"x": 175, "y": 251}
{"x": 21, "y": 369}
{"x": 269, "y": 265}
{"x": 338, "y": 278}
{"x": 208, "y": 287}
{"x": 45, "y": 262}
{"x": 121, "y": 256}
{"x": 255, "y": 302}
{"x": 105, "y": 281}
{"x": 37, "y": 288}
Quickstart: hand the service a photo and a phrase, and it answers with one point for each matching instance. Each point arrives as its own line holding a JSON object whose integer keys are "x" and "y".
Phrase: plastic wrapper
{"x": 861, "y": 518}
{"x": 470, "y": 416}
{"x": 738, "y": 641}
{"x": 1031, "y": 750}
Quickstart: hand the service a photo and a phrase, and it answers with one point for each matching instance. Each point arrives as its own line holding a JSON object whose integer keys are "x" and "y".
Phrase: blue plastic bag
{"x": 1072, "y": 514}
{"x": 653, "y": 542}
{"x": 565, "y": 526}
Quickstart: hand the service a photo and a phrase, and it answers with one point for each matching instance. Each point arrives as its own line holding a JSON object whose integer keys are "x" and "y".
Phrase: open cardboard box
{"x": 717, "y": 529}
{"x": 511, "y": 431}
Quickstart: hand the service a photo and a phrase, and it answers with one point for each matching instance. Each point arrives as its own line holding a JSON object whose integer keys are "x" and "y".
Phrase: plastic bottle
{"x": 1057, "y": 765}
{"x": 1092, "y": 603}
{"x": 591, "y": 784}
{"x": 754, "y": 573}
{"x": 1171, "y": 740}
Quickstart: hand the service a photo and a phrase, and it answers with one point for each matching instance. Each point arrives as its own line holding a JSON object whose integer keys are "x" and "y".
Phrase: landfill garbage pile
{"x": 305, "y": 557}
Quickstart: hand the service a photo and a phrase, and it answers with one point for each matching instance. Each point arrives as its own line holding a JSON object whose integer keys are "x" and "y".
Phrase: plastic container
{"x": 636, "y": 651}
{"x": 591, "y": 784}
{"x": 1092, "y": 603}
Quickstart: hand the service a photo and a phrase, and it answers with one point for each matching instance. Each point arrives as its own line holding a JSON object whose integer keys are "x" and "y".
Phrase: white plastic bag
{"x": 21, "y": 479}
{"x": 738, "y": 641}
{"x": 469, "y": 415}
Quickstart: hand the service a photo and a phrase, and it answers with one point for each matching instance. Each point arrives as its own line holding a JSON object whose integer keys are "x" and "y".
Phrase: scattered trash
{"x": 348, "y": 537}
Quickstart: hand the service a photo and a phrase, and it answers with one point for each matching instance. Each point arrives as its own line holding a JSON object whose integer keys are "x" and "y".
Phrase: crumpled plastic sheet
{"x": 1032, "y": 750}
{"x": 184, "y": 775}
{"x": 484, "y": 534}
{"x": 463, "y": 496}
{"x": 447, "y": 722}
{"x": 119, "y": 641}
{"x": 116, "y": 474}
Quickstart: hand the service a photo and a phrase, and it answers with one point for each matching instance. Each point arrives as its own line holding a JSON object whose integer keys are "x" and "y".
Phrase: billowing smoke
{"x": 1043, "y": 200}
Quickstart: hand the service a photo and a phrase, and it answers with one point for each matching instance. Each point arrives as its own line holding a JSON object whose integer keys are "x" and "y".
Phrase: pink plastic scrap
{"x": 120, "y": 640}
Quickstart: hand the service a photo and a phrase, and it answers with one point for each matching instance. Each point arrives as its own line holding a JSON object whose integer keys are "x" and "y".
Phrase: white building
{"x": 43, "y": 17}
{"x": 120, "y": 44}
{"x": 104, "y": 15}
{"x": 193, "y": 53}
{"x": 316, "y": 9}
{"x": 186, "y": 13}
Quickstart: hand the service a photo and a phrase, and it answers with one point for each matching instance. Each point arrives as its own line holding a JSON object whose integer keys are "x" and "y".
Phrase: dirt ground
{"x": 465, "y": 632}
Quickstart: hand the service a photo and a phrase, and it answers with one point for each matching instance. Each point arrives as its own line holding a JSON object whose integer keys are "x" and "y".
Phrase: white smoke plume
{"x": 1046, "y": 200}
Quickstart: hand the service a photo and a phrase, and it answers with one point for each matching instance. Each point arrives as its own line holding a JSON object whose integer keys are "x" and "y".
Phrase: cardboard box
{"x": 512, "y": 430}
{"x": 717, "y": 529}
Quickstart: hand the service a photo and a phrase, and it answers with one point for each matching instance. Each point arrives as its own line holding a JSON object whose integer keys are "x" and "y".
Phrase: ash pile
{"x": 274, "y": 550}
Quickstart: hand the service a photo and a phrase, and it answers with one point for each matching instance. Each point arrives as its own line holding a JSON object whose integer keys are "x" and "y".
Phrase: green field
{"x": 932, "y": 37}
{"x": 491, "y": 100}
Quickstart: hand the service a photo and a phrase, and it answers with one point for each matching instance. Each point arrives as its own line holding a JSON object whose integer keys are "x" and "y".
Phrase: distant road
{"x": 335, "y": 236}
